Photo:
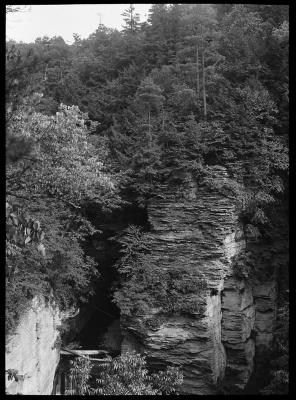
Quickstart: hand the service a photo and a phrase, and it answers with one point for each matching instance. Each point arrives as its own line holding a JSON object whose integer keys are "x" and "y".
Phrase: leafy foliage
{"x": 79, "y": 376}
{"x": 65, "y": 163}
{"x": 48, "y": 189}
{"x": 124, "y": 375}
{"x": 243, "y": 265}
{"x": 144, "y": 285}
{"x": 49, "y": 263}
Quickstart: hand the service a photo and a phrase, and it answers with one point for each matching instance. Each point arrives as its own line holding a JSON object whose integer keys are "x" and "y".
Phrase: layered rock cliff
{"x": 198, "y": 227}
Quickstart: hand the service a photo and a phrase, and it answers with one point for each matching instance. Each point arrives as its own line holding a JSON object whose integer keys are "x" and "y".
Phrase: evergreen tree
{"x": 131, "y": 20}
{"x": 150, "y": 99}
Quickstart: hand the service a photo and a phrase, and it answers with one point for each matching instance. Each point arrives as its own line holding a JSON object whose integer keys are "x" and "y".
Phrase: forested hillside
{"x": 117, "y": 118}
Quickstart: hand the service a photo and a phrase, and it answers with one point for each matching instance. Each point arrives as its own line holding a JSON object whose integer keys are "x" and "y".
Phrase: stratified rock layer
{"x": 265, "y": 295}
{"x": 197, "y": 228}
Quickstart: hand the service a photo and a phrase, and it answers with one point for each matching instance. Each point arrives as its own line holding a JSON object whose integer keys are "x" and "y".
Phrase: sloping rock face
{"x": 32, "y": 350}
{"x": 197, "y": 228}
{"x": 238, "y": 321}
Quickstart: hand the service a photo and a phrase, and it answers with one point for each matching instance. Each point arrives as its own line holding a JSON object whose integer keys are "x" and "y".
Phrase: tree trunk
{"x": 203, "y": 74}
{"x": 61, "y": 70}
{"x": 149, "y": 128}
{"x": 45, "y": 73}
{"x": 197, "y": 75}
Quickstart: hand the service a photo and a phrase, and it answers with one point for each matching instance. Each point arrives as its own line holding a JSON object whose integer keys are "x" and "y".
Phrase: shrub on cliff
{"x": 124, "y": 375}
{"x": 144, "y": 285}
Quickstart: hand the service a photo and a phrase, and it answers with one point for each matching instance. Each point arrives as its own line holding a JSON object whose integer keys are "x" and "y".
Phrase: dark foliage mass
{"x": 124, "y": 375}
{"x": 110, "y": 118}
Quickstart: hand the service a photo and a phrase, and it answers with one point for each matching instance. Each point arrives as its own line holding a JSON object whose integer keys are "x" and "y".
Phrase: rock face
{"x": 248, "y": 321}
{"x": 198, "y": 227}
{"x": 238, "y": 320}
{"x": 265, "y": 295}
{"x": 111, "y": 340}
{"x": 32, "y": 350}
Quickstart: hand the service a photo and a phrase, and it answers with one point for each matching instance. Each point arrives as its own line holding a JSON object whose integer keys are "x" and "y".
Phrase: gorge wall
{"x": 198, "y": 227}
{"x": 218, "y": 348}
{"x": 32, "y": 351}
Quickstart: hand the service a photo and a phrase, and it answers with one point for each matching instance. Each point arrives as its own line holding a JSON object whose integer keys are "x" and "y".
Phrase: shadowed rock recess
{"x": 198, "y": 228}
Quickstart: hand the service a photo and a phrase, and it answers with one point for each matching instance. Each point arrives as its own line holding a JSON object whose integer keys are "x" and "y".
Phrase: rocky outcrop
{"x": 32, "y": 351}
{"x": 248, "y": 322}
{"x": 238, "y": 321}
{"x": 197, "y": 228}
{"x": 265, "y": 296}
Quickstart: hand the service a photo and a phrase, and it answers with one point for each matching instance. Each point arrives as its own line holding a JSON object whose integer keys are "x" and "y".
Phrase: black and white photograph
{"x": 147, "y": 199}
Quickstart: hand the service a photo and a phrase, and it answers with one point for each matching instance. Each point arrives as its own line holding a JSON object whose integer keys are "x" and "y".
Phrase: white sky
{"x": 64, "y": 20}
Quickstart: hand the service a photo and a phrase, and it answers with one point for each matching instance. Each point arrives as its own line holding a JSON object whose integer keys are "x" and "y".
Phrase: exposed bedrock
{"x": 265, "y": 296}
{"x": 217, "y": 349}
{"x": 32, "y": 351}
{"x": 238, "y": 321}
{"x": 197, "y": 228}
{"x": 265, "y": 299}
{"x": 248, "y": 319}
